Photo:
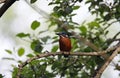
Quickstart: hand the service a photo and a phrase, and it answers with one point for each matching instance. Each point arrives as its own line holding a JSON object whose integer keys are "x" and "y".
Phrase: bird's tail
{"x": 66, "y": 55}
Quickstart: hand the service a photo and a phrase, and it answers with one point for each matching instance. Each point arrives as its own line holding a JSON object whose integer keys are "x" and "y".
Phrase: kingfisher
{"x": 64, "y": 43}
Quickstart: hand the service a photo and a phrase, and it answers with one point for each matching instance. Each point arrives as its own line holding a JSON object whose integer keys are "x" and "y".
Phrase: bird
{"x": 64, "y": 43}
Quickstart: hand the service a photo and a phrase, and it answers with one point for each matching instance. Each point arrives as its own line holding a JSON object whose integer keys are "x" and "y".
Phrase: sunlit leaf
{"x": 21, "y": 51}
{"x": 55, "y": 48}
{"x": 30, "y": 55}
{"x": 68, "y": 10}
{"x": 35, "y": 24}
{"x": 83, "y": 29}
{"x": 93, "y": 24}
{"x": 21, "y": 35}
{"x": 106, "y": 32}
{"x": 76, "y": 7}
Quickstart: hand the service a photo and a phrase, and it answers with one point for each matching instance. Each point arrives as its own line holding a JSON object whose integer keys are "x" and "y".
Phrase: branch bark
{"x": 99, "y": 73}
{"x": 6, "y": 5}
{"x": 20, "y": 67}
{"x": 2, "y": 1}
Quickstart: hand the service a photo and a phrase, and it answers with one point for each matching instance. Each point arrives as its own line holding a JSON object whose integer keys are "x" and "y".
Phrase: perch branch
{"x": 60, "y": 53}
{"x": 85, "y": 41}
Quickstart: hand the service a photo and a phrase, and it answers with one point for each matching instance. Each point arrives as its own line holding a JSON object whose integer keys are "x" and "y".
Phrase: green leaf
{"x": 1, "y": 76}
{"x": 74, "y": 43}
{"x": 36, "y": 46}
{"x": 35, "y": 24}
{"x": 107, "y": 17}
{"x": 32, "y": 1}
{"x": 83, "y": 29}
{"x": 8, "y": 51}
{"x": 68, "y": 10}
{"x": 14, "y": 73}
{"x": 21, "y": 35}
{"x": 55, "y": 65}
{"x": 30, "y": 55}
{"x": 44, "y": 39}
{"x": 55, "y": 48}
{"x": 93, "y": 24}
{"x": 21, "y": 51}
{"x": 76, "y": 7}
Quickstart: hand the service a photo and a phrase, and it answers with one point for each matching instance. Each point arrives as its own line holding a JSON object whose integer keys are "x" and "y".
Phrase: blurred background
{"x": 19, "y": 17}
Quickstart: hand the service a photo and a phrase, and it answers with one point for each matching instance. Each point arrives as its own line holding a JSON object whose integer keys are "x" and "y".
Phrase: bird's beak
{"x": 58, "y": 34}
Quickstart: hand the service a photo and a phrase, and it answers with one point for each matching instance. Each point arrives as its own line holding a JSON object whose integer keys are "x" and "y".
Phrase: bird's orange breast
{"x": 65, "y": 44}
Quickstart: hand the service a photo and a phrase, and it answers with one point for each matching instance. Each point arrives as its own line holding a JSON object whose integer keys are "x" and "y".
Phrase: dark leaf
{"x": 107, "y": 17}
{"x": 36, "y": 46}
{"x": 32, "y": 1}
{"x": 106, "y": 32}
{"x": 44, "y": 39}
{"x": 8, "y": 51}
{"x": 56, "y": 8}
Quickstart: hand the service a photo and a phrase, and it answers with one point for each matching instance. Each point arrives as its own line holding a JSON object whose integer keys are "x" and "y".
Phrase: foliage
{"x": 1, "y": 76}
{"x": 106, "y": 10}
{"x": 74, "y": 66}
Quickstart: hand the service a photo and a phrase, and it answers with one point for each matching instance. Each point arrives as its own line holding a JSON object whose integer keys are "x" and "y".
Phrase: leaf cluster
{"x": 105, "y": 9}
{"x": 95, "y": 31}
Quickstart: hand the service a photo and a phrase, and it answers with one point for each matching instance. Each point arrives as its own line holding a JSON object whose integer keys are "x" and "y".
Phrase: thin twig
{"x": 38, "y": 10}
{"x": 110, "y": 24}
{"x": 85, "y": 41}
{"x": 99, "y": 73}
{"x": 116, "y": 35}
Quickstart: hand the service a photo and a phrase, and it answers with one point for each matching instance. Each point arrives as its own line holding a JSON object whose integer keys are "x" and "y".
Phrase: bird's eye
{"x": 65, "y": 35}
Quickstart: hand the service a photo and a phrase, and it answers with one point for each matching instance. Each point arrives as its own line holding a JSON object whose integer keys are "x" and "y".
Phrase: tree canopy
{"x": 91, "y": 52}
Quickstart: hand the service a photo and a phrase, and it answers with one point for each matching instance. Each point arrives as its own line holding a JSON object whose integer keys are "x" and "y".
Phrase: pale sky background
{"x": 19, "y": 17}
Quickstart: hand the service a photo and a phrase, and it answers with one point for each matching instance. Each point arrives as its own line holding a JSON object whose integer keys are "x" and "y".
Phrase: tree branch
{"x": 6, "y": 5}
{"x": 38, "y": 10}
{"x": 2, "y": 1}
{"x": 20, "y": 67}
{"x": 99, "y": 73}
{"x": 64, "y": 26}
